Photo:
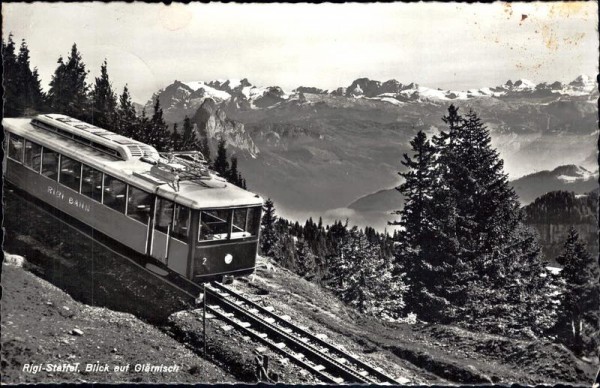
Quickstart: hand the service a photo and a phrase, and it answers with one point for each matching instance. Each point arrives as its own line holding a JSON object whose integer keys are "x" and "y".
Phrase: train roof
{"x": 214, "y": 192}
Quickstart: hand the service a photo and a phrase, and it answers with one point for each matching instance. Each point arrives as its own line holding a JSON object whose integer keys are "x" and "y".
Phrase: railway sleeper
{"x": 348, "y": 373}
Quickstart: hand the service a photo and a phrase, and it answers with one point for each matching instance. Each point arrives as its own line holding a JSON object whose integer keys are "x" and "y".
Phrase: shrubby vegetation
{"x": 354, "y": 264}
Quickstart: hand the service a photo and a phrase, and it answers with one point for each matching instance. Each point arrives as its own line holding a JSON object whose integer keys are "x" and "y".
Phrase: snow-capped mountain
{"x": 392, "y": 89}
{"x": 569, "y": 178}
{"x": 573, "y": 174}
{"x": 183, "y": 98}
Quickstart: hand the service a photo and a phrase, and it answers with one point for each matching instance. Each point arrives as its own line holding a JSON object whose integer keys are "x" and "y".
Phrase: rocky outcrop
{"x": 212, "y": 120}
{"x": 273, "y": 95}
{"x": 310, "y": 89}
{"x": 363, "y": 87}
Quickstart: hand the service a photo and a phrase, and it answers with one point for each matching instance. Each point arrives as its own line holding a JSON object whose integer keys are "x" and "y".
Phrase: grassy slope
{"x": 37, "y": 323}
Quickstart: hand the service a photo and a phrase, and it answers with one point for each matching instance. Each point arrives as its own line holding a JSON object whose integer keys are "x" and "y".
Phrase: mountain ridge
{"x": 185, "y": 96}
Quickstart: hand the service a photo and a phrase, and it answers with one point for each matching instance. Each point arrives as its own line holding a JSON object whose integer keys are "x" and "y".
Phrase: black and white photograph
{"x": 400, "y": 193}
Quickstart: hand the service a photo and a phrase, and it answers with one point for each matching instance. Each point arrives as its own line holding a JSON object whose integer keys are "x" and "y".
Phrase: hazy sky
{"x": 456, "y": 46}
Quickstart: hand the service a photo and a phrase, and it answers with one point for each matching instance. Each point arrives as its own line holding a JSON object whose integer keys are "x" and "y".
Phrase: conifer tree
{"x": 31, "y": 97}
{"x": 268, "y": 238}
{"x": 68, "y": 93}
{"x": 418, "y": 187}
{"x": 205, "y": 148}
{"x": 156, "y": 133}
{"x": 581, "y": 297}
{"x": 140, "y": 130}
{"x": 103, "y": 101}
{"x": 233, "y": 175}
{"x": 306, "y": 263}
{"x": 126, "y": 119}
{"x": 176, "y": 140}
{"x": 466, "y": 245}
{"x": 363, "y": 279}
{"x": 189, "y": 139}
{"x": 12, "y": 107}
{"x": 423, "y": 261}
{"x": 221, "y": 165}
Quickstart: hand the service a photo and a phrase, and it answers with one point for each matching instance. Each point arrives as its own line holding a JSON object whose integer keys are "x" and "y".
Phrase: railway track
{"x": 327, "y": 362}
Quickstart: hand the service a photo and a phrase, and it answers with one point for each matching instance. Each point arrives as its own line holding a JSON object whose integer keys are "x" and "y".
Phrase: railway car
{"x": 167, "y": 207}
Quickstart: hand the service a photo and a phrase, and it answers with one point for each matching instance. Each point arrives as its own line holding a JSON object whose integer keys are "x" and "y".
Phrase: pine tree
{"x": 467, "y": 254}
{"x": 306, "y": 262}
{"x": 68, "y": 89}
{"x": 221, "y": 165}
{"x": 176, "y": 139}
{"x": 189, "y": 140}
{"x": 205, "y": 148}
{"x": 499, "y": 251}
{"x": 233, "y": 175}
{"x": 10, "y": 76}
{"x": 126, "y": 120}
{"x": 362, "y": 279}
{"x": 140, "y": 130}
{"x": 156, "y": 133}
{"x": 103, "y": 101}
{"x": 284, "y": 250}
{"x": 31, "y": 97}
{"x": 424, "y": 262}
{"x": 581, "y": 298}
{"x": 416, "y": 220}
{"x": 268, "y": 238}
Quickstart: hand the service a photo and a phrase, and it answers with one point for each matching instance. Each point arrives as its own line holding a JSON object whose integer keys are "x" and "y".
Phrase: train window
{"x": 70, "y": 173}
{"x": 253, "y": 220}
{"x": 214, "y": 224}
{"x": 114, "y": 193}
{"x": 50, "y": 164}
{"x": 238, "y": 227}
{"x": 15, "y": 147}
{"x": 91, "y": 183}
{"x": 164, "y": 215}
{"x": 33, "y": 155}
{"x": 245, "y": 222}
{"x": 139, "y": 206}
{"x": 181, "y": 222}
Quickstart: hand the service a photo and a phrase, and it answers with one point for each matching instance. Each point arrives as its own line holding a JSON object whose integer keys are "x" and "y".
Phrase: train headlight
{"x": 228, "y": 258}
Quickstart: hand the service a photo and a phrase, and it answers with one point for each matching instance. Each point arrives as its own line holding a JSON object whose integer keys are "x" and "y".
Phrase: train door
{"x": 162, "y": 229}
{"x": 169, "y": 242}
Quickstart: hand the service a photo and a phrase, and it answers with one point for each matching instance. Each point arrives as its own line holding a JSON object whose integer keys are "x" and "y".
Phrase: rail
{"x": 310, "y": 338}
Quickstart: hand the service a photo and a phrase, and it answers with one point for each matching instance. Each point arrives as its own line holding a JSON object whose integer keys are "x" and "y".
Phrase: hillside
{"x": 41, "y": 325}
{"x": 568, "y": 178}
{"x": 414, "y": 353}
{"x": 554, "y": 213}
